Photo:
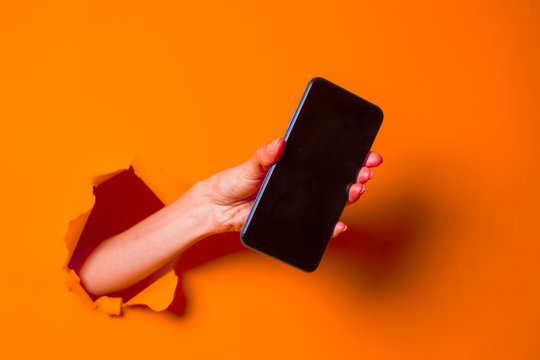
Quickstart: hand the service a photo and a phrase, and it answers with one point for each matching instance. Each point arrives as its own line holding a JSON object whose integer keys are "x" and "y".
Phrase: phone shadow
{"x": 376, "y": 254}
{"x": 382, "y": 245}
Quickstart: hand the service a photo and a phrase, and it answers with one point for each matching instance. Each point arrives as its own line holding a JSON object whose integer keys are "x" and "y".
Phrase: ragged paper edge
{"x": 158, "y": 295}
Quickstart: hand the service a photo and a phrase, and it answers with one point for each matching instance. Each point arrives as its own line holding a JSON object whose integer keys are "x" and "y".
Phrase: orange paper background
{"x": 440, "y": 259}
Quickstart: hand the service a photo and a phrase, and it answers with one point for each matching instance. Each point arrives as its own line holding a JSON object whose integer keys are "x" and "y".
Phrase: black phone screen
{"x": 305, "y": 192}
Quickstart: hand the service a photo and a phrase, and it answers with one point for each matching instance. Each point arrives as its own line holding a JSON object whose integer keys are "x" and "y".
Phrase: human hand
{"x": 232, "y": 192}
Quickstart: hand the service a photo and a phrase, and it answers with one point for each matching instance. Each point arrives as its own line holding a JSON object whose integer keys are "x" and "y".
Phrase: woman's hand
{"x": 220, "y": 203}
{"x": 232, "y": 192}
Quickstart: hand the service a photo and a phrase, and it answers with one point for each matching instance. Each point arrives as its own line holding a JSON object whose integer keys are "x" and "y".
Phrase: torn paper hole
{"x": 122, "y": 199}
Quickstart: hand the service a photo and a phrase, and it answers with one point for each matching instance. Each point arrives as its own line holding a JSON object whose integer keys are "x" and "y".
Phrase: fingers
{"x": 364, "y": 175}
{"x": 265, "y": 156}
{"x": 339, "y": 229}
{"x": 355, "y": 191}
{"x": 374, "y": 159}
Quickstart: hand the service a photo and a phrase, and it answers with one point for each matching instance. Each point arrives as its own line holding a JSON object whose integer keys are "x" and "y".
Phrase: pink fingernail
{"x": 274, "y": 144}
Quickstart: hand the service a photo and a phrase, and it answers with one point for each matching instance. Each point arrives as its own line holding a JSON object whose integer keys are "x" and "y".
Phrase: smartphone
{"x": 306, "y": 190}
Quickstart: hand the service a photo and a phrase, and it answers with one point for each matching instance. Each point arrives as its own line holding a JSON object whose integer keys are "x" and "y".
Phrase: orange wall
{"x": 440, "y": 259}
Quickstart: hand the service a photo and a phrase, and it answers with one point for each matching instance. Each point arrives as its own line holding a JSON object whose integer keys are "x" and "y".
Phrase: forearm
{"x": 132, "y": 255}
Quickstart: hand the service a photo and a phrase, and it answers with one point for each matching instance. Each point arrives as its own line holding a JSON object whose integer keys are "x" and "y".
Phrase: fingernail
{"x": 362, "y": 189}
{"x": 344, "y": 228}
{"x": 371, "y": 173}
{"x": 274, "y": 145}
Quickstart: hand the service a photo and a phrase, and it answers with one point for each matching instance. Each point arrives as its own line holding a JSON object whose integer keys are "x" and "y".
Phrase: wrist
{"x": 195, "y": 208}
{"x": 207, "y": 208}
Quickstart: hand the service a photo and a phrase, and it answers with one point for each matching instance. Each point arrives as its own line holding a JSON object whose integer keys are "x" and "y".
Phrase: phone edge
{"x": 271, "y": 170}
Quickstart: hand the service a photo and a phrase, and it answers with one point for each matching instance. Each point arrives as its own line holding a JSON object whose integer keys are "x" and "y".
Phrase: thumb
{"x": 266, "y": 155}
